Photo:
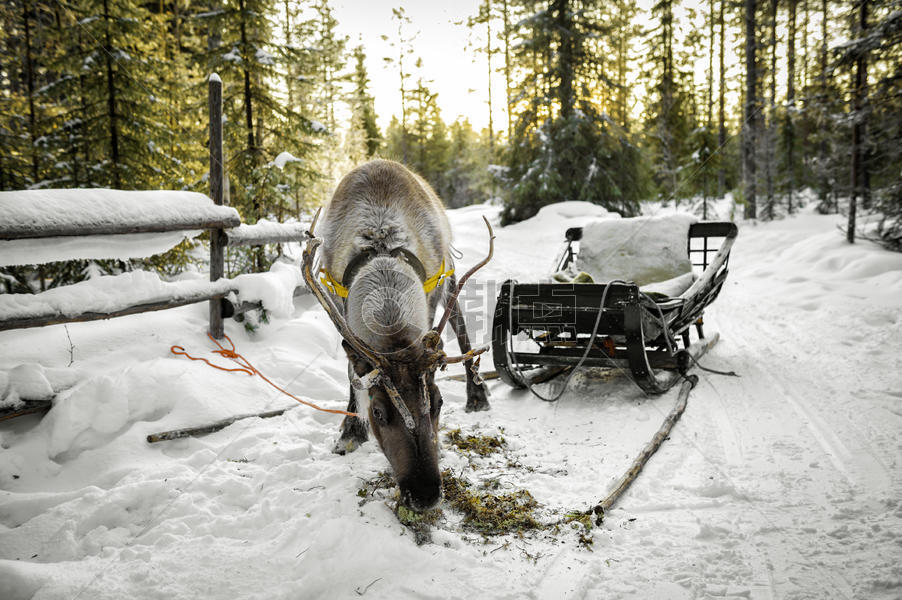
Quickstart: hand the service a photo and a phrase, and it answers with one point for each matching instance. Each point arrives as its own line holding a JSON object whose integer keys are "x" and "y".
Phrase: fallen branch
{"x": 175, "y": 434}
{"x": 602, "y": 507}
{"x": 29, "y": 407}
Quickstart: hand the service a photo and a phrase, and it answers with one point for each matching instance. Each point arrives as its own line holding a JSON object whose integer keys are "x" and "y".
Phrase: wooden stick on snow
{"x": 602, "y": 507}
{"x": 175, "y": 434}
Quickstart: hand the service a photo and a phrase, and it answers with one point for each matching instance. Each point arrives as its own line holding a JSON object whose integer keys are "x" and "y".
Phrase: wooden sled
{"x": 542, "y": 327}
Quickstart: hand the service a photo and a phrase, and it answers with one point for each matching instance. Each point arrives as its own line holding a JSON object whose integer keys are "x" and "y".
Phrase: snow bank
{"x": 92, "y": 247}
{"x": 572, "y": 209}
{"x": 102, "y": 407}
{"x": 275, "y": 289}
{"x": 37, "y": 211}
{"x": 25, "y": 382}
{"x": 642, "y": 249}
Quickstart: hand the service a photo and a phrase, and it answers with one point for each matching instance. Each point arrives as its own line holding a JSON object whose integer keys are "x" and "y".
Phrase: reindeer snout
{"x": 421, "y": 494}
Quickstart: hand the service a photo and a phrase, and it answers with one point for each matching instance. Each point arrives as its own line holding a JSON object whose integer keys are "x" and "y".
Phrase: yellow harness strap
{"x": 437, "y": 279}
{"x": 331, "y": 284}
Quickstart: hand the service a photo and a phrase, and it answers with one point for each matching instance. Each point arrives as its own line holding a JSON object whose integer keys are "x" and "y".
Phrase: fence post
{"x": 217, "y": 236}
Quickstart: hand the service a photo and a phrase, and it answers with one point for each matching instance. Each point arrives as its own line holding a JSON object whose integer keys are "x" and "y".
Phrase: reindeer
{"x": 387, "y": 234}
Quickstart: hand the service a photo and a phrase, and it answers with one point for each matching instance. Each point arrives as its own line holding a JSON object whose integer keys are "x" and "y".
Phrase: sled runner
{"x": 541, "y": 329}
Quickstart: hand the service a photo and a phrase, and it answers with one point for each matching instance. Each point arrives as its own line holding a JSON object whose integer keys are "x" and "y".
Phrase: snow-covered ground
{"x": 784, "y": 483}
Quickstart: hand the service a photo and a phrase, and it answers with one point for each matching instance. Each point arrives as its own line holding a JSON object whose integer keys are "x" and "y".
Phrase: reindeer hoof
{"x": 477, "y": 406}
{"x": 477, "y": 399}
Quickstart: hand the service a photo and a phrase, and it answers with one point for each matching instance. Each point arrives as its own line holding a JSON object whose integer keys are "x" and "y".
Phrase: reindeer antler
{"x": 452, "y": 301}
{"x": 337, "y": 318}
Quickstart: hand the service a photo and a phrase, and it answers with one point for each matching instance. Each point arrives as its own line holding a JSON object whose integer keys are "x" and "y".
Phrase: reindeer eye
{"x": 379, "y": 415}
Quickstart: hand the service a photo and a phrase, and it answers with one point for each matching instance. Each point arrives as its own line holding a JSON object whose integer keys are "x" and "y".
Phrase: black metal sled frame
{"x": 635, "y": 332}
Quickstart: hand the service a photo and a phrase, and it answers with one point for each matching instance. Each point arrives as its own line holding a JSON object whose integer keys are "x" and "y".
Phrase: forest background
{"x": 613, "y": 103}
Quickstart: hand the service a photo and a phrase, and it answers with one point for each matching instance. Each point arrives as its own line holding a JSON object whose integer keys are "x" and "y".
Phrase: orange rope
{"x": 248, "y": 368}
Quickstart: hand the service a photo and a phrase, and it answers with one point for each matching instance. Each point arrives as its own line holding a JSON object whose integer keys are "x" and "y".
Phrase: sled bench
{"x": 539, "y": 327}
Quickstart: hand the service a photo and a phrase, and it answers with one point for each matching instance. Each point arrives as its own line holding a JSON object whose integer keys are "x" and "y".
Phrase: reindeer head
{"x": 395, "y": 384}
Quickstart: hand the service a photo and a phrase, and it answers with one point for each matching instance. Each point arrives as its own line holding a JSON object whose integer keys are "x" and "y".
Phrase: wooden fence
{"x": 223, "y": 224}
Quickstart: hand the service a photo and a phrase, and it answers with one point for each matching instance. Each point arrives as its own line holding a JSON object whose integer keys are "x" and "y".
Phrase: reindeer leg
{"x": 477, "y": 395}
{"x": 353, "y": 430}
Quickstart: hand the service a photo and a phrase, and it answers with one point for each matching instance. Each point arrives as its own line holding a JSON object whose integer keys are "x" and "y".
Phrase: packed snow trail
{"x": 784, "y": 483}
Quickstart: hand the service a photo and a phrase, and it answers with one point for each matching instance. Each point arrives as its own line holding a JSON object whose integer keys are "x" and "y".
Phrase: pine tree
{"x": 668, "y": 121}
{"x": 363, "y": 108}
{"x": 876, "y": 157}
{"x": 258, "y": 124}
{"x": 563, "y": 148}
{"x": 402, "y": 43}
{"x": 467, "y": 178}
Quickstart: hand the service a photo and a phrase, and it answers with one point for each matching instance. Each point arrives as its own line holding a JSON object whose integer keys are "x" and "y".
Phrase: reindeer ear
{"x": 360, "y": 366}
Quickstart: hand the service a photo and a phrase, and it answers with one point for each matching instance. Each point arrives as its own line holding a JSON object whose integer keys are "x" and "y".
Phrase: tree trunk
{"x": 488, "y": 54}
{"x": 563, "y": 19}
{"x": 622, "y": 58}
{"x": 822, "y": 145}
{"x": 29, "y": 83}
{"x": 750, "y": 137}
{"x": 859, "y": 129}
{"x": 111, "y": 99}
{"x": 667, "y": 99}
{"x": 770, "y": 129}
{"x": 790, "y": 104}
{"x": 709, "y": 121}
{"x": 403, "y": 76}
{"x": 257, "y": 205}
{"x": 721, "y": 117}
{"x": 507, "y": 68}
{"x": 289, "y": 69}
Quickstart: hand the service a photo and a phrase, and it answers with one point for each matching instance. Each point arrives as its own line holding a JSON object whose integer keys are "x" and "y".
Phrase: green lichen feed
{"x": 483, "y": 445}
{"x": 490, "y": 514}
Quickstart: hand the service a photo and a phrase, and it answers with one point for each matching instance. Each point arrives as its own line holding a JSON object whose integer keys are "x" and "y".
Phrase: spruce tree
{"x": 563, "y": 147}
{"x": 362, "y": 104}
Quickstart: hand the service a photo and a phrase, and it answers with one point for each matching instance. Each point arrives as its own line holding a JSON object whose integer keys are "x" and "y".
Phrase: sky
{"x": 459, "y": 81}
{"x": 458, "y": 73}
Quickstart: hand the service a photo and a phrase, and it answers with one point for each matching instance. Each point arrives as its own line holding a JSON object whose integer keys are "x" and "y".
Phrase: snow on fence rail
{"x": 265, "y": 232}
{"x": 57, "y": 213}
{"x": 42, "y": 219}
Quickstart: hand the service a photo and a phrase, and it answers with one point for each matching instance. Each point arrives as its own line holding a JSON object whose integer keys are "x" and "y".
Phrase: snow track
{"x": 784, "y": 483}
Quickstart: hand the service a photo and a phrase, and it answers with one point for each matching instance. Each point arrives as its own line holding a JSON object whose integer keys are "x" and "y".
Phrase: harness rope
{"x": 246, "y": 367}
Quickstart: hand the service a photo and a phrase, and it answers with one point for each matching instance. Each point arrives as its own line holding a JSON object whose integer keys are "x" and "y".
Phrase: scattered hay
{"x": 483, "y": 445}
{"x": 491, "y": 514}
{"x": 483, "y": 509}
{"x": 582, "y": 521}
{"x": 382, "y": 481}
